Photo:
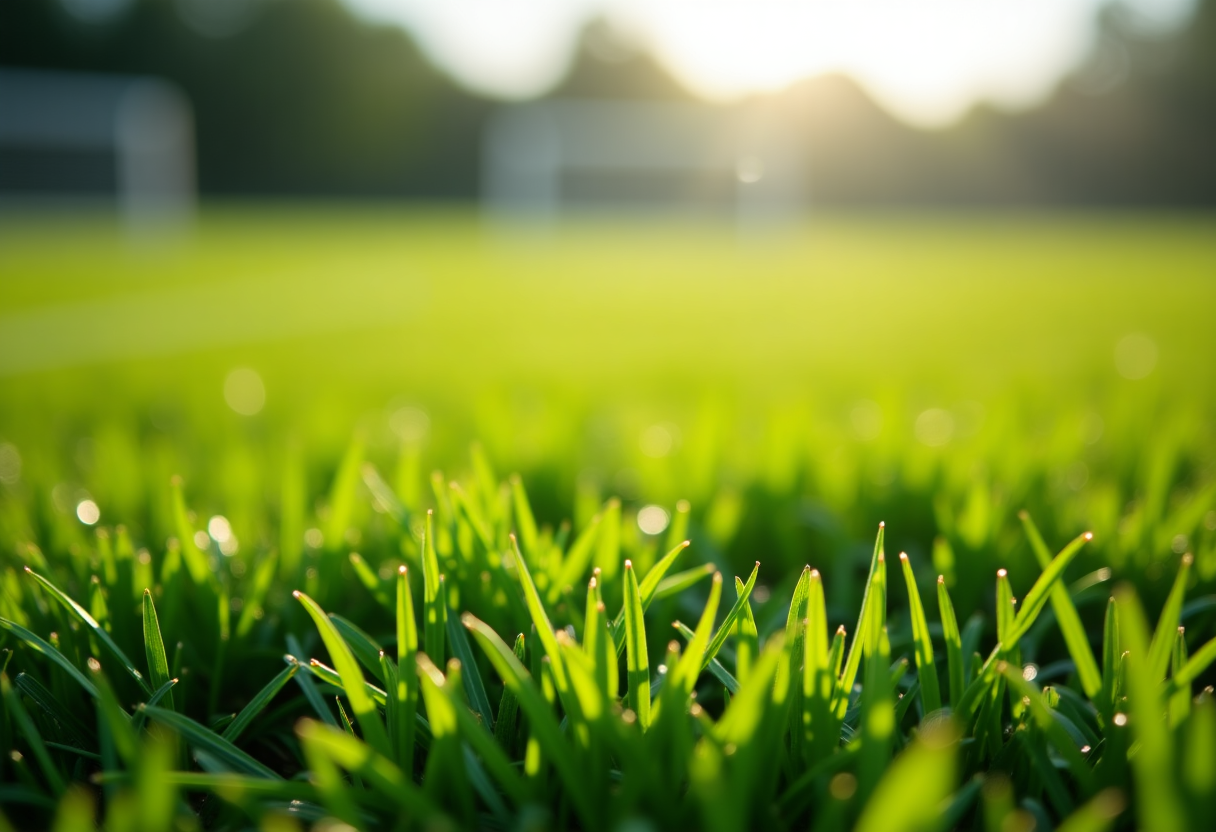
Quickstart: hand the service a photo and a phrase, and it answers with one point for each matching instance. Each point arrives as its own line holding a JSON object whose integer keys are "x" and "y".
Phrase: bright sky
{"x": 927, "y": 61}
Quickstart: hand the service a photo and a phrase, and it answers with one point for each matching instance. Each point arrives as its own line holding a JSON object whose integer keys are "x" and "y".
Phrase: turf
{"x": 770, "y": 397}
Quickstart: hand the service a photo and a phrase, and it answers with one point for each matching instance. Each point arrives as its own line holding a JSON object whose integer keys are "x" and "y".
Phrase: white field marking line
{"x": 233, "y": 311}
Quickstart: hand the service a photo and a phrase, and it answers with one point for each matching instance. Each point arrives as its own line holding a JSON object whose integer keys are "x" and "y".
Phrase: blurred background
{"x": 810, "y": 265}
{"x": 1072, "y": 103}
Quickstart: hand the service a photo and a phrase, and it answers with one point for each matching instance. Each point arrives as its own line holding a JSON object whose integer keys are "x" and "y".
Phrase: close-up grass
{"x": 373, "y": 519}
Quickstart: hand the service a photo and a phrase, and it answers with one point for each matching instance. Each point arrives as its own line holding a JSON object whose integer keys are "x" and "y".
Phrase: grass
{"x": 284, "y": 619}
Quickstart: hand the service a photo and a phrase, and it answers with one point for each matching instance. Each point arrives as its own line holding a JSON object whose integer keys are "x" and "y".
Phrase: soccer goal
{"x": 70, "y": 138}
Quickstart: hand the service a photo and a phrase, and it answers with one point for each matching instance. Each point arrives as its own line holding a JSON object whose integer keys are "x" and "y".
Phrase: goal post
{"x": 122, "y": 140}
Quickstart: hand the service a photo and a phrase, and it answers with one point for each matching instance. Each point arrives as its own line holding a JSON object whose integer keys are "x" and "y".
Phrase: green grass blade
{"x": 1153, "y": 762}
{"x": 675, "y": 584}
{"x": 608, "y": 542}
{"x": 207, "y": 740}
{"x": 577, "y": 559}
{"x": 376, "y": 770}
{"x": 747, "y": 637}
{"x": 877, "y": 718}
{"x": 1180, "y": 699}
{"x": 787, "y": 674}
{"x": 743, "y": 717}
{"x": 343, "y": 494}
{"x": 1167, "y": 625}
{"x": 1040, "y": 592}
{"x": 544, "y": 631}
{"x": 369, "y": 579}
{"x": 683, "y": 677}
{"x": 540, "y": 717}
{"x": 444, "y": 777}
{"x": 434, "y": 607}
{"x": 1195, "y": 665}
{"x": 233, "y": 787}
{"x": 821, "y": 731}
{"x": 55, "y": 710}
{"x": 406, "y": 693}
{"x": 352, "y": 678}
{"x": 728, "y": 623}
{"x": 82, "y": 615}
{"x": 868, "y": 602}
{"x": 592, "y": 702}
{"x": 648, "y": 589}
{"x": 650, "y": 584}
{"x": 138, "y": 719}
{"x": 953, "y": 640}
{"x": 926, "y": 671}
{"x": 1005, "y": 607}
{"x": 489, "y": 751}
{"x": 912, "y": 793}
{"x": 638, "y": 665}
{"x": 678, "y": 530}
{"x": 364, "y": 647}
{"x": 306, "y": 684}
{"x": 326, "y": 775}
{"x": 115, "y": 724}
{"x": 507, "y": 720}
{"x": 384, "y": 496}
{"x": 716, "y": 668}
{"x": 195, "y": 560}
{"x": 258, "y": 703}
{"x": 154, "y": 647}
{"x": 255, "y": 598}
{"x": 1112, "y": 650}
{"x": 598, "y": 643}
{"x": 1066, "y": 614}
{"x": 1098, "y": 815}
{"x": 41, "y": 646}
{"x": 470, "y": 676}
{"x": 16, "y": 711}
{"x": 1047, "y": 721}
{"x": 525, "y": 521}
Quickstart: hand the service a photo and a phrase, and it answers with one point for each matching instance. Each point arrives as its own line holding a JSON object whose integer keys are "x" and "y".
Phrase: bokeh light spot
{"x": 653, "y": 519}
{"x": 866, "y": 420}
{"x": 244, "y": 391}
{"x": 88, "y": 512}
{"x": 657, "y": 441}
{"x": 1135, "y": 356}
{"x": 749, "y": 169}
{"x": 934, "y": 427}
{"x": 10, "y": 463}
{"x": 411, "y": 424}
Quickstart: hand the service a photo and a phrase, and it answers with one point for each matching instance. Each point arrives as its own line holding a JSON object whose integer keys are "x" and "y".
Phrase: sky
{"x": 925, "y": 61}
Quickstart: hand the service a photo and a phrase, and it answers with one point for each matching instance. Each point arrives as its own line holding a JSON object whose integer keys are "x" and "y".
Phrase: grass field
{"x": 770, "y": 397}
